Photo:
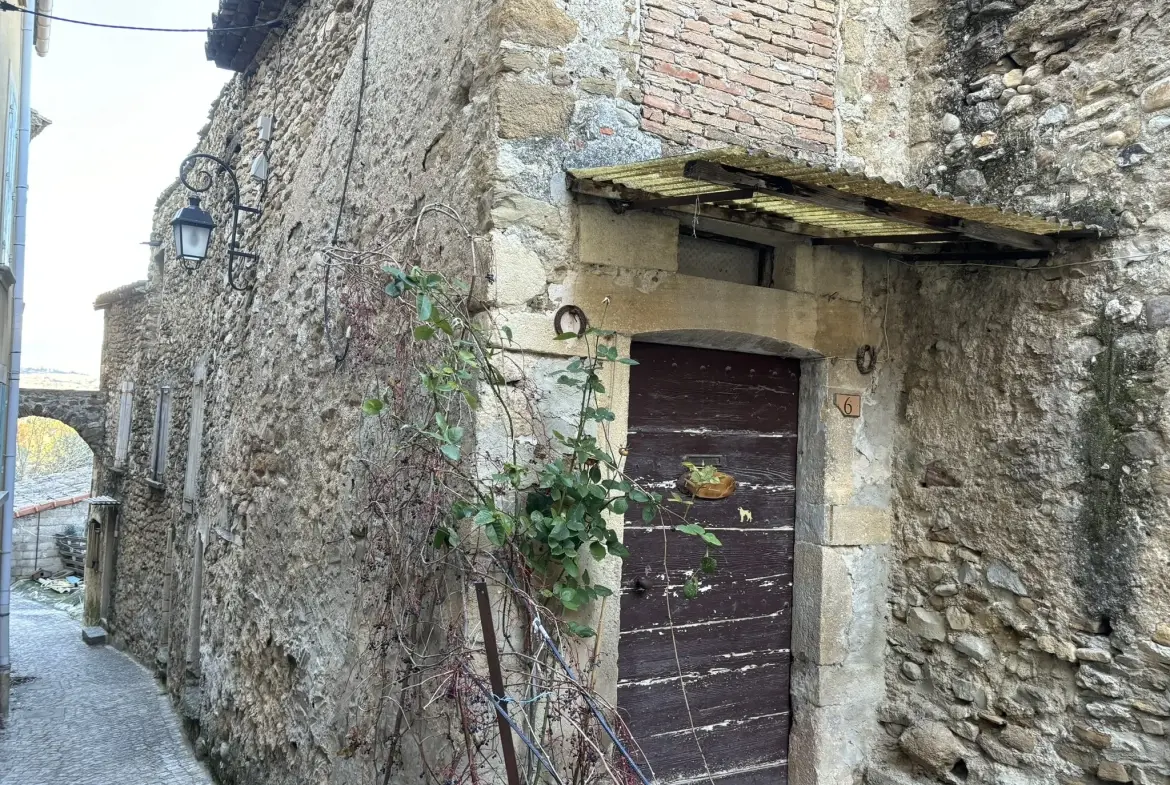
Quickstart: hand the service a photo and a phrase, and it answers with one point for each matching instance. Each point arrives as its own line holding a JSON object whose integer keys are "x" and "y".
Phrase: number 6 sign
{"x": 849, "y": 404}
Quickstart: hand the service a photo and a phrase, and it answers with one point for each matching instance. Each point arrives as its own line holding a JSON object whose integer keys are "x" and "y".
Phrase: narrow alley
{"x": 86, "y": 715}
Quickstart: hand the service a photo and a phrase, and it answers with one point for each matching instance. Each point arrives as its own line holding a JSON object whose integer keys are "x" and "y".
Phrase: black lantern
{"x": 192, "y": 227}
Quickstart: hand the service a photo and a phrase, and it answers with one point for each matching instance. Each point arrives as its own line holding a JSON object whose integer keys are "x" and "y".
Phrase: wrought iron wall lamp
{"x": 193, "y": 226}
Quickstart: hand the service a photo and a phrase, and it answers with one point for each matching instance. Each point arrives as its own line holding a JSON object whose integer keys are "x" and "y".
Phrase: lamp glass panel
{"x": 192, "y": 241}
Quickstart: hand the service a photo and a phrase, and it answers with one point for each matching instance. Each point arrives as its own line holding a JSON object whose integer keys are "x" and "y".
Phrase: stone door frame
{"x": 815, "y": 313}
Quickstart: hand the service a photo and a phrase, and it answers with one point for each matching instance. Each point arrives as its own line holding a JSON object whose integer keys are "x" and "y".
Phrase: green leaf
{"x": 568, "y": 598}
{"x": 620, "y": 505}
{"x": 693, "y": 529}
{"x": 451, "y": 452}
{"x": 711, "y": 539}
{"x": 708, "y": 564}
{"x": 373, "y": 407}
{"x": 597, "y": 551}
{"x": 472, "y": 401}
{"x": 569, "y": 381}
{"x": 571, "y": 568}
{"x": 627, "y": 361}
{"x": 442, "y": 537}
{"x": 690, "y": 590}
{"x": 445, "y": 326}
{"x": 602, "y": 591}
{"x": 455, "y": 434}
{"x": 618, "y": 549}
{"x": 484, "y": 517}
{"x": 649, "y": 512}
{"x": 495, "y": 535}
{"x": 638, "y": 496}
{"x": 426, "y": 309}
{"x": 424, "y": 332}
{"x": 507, "y": 331}
{"x": 566, "y": 337}
{"x": 579, "y": 630}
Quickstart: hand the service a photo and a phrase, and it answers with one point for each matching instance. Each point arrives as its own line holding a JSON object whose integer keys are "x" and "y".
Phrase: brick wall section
{"x": 758, "y": 74}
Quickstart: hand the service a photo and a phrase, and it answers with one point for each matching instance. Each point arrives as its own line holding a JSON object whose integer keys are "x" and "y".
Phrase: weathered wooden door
{"x": 704, "y": 683}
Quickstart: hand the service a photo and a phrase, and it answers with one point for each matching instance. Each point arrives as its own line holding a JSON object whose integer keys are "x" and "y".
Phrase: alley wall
{"x": 1028, "y": 598}
{"x": 277, "y": 674}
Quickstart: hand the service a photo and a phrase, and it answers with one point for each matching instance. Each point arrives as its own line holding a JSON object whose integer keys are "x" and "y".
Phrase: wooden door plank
{"x": 702, "y": 388}
{"x": 737, "y": 745}
{"x": 650, "y": 654}
{"x": 712, "y": 697}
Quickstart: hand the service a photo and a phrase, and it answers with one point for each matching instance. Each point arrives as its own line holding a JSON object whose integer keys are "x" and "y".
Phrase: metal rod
{"x": 497, "y": 679}
{"x": 24, "y": 136}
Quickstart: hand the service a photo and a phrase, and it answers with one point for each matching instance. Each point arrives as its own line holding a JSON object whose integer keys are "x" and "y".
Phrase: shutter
{"x": 160, "y": 438}
{"x": 195, "y": 437}
{"x": 122, "y": 447}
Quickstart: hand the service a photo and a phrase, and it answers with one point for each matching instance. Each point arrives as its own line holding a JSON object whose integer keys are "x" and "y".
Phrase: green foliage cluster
{"x": 552, "y": 512}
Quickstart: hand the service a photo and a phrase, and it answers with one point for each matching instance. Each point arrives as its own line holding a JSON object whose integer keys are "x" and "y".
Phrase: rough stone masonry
{"x": 1012, "y": 465}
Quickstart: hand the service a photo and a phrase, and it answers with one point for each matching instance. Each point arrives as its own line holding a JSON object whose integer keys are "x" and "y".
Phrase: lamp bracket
{"x": 202, "y": 184}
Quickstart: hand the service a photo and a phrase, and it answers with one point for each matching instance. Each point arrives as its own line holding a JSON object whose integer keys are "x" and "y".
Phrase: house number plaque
{"x": 849, "y": 404}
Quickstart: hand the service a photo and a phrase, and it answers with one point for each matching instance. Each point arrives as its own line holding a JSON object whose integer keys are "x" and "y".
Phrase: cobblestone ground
{"x": 89, "y": 716}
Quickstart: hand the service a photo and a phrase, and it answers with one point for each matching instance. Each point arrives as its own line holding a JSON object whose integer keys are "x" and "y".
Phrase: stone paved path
{"x": 91, "y": 716}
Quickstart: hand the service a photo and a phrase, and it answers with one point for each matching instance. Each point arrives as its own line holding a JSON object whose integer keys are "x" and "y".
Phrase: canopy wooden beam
{"x": 831, "y": 198}
{"x": 622, "y": 198}
{"x": 871, "y": 239}
{"x": 733, "y": 195}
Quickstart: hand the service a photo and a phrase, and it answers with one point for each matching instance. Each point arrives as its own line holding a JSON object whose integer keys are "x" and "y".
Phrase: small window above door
{"x": 704, "y": 255}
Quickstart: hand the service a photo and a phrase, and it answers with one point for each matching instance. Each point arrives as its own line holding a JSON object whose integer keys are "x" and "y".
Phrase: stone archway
{"x": 82, "y": 410}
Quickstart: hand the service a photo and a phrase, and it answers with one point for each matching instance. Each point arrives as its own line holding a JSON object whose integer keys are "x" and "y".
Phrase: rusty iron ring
{"x": 867, "y": 359}
{"x": 576, "y": 313}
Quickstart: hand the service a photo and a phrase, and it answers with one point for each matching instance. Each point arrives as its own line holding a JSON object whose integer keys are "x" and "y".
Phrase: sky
{"x": 126, "y": 108}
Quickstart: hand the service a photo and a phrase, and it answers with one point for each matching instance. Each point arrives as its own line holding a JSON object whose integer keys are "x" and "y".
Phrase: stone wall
{"x": 276, "y": 674}
{"x": 34, "y": 544}
{"x": 1028, "y": 597}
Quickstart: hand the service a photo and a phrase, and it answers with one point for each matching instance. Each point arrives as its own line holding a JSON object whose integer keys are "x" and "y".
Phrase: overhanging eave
{"x": 828, "y": 206}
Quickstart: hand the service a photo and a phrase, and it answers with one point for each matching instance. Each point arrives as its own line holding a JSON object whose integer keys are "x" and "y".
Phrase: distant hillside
{"x": 52, "y": 379}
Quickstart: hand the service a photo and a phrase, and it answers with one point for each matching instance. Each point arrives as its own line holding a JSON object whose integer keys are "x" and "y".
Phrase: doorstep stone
{"x": 93, "y": 636}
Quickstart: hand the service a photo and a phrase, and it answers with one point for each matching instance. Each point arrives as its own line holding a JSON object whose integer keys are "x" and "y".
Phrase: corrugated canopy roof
{"x": 832, "y": 206}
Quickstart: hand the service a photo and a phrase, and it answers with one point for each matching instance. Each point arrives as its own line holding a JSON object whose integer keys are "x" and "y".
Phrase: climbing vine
{"x": 555, "y": 512}
{"x": 448, "y": 503}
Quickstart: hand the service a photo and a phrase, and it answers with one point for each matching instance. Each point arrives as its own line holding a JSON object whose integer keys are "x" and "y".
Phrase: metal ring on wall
{"x": 867, "y": 358}
{"x": 576, "y": 313}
